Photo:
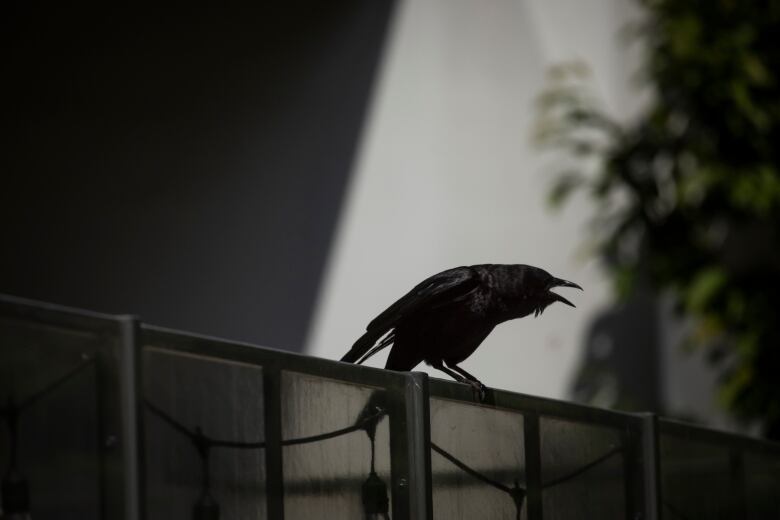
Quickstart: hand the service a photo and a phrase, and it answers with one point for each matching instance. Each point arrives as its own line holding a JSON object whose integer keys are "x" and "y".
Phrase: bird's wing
{"x": 440, "y": 290}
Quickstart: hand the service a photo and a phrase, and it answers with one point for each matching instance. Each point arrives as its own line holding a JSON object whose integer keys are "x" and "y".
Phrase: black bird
{"x": 444, "y": 319}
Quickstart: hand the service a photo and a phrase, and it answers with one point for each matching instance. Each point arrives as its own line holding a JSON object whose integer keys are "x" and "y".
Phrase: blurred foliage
{"x": 689, "y": 192}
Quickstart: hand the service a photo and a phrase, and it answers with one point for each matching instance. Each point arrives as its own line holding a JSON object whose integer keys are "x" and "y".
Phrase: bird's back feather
{"x": 439, "y": 290}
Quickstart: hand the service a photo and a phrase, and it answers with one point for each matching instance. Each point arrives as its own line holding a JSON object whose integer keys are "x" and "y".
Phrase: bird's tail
{"x": 366, "y": 346}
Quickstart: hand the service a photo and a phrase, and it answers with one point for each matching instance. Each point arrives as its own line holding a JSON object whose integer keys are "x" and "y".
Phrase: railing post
{"x": 533, "y": 466}
{"x": 274, "y": 476}
{"x": 130, "y": 421}
{"x": 419, "y": 433}
{"x": 633, "y": 479}
{"x": 651, "y": 468}
{"x": 410, "y": 439}
{"x": 737, "y": 478}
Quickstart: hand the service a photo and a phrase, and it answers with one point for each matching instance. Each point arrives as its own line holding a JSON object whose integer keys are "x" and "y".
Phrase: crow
{"x": 444, "y": 319}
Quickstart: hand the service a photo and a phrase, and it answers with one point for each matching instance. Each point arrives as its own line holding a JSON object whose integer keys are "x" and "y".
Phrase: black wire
{"x": 517, "y": 493}
{"x": 171, "y": 422}
{"x": 329, "y": 435}
{"x": 211, "y": 442}
{"x": 373, "y": 454}
{"x": 199, "y": 438}
{"x": 468, "y": 469}
{"x": 48, "y": 389}
{"x": 487, "y": 480}
{"x": 582, "y": 469}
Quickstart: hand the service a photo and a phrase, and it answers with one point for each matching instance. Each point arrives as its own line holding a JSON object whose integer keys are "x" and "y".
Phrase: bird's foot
{"x": 479, "y": 390}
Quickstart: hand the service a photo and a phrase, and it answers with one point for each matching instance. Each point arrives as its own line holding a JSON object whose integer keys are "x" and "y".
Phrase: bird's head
{"x": 548, "y": 297}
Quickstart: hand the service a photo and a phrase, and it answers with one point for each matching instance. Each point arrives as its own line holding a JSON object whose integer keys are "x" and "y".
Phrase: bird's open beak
{"x": 564, "y": 283}
{"x": 561, "y": 299}
{"x": 557, "y": 282}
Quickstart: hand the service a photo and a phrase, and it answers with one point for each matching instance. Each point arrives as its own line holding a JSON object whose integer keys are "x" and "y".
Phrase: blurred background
{"x": 282, "y": 173}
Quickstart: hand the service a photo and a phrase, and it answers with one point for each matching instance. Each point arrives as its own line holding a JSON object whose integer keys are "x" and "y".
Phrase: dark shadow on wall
{"x": 185, "y": 165}
{"x": 620, "y": 365}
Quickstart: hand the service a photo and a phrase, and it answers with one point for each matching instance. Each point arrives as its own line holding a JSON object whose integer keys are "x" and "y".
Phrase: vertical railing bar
{"x": 274, "y": 473}
{"x": 737, "y": 477}
{"x": 399, "y": 450}
{"x": 410, "y": 447}
{"x": 651, "y": 474}
{"x": 533, "y": 466}
{"x": 130, "y": 431}
{"x": 631, "y": 439}
{"x": 101, "y": 435}
{"x": 419, "y": 434}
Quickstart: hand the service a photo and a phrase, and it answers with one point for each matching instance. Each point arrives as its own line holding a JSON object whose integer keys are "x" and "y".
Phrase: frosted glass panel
{"x": 696, "y": 480}
{"x": 762, "y": 485}
{"x": 477, "y": 459}
{"x": 582, "y": 471}
{"x": 187, "y": 396}
{"x": 329, "y": 478}
{"x": 48, "y": 378}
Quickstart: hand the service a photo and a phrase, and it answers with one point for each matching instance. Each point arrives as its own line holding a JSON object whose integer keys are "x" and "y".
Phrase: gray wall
{"x": 186, "y": 166}
{"x": 447, "y": 175}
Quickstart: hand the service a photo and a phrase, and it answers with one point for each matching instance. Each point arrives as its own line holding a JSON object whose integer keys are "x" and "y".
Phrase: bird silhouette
{"x": 446, "y": 317}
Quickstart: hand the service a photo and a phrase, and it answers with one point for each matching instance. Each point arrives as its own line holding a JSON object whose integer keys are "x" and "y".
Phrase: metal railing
{"x": 108, "y": 418}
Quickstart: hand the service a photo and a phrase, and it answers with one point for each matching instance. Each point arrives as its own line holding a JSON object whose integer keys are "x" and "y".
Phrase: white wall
{"x": 447, "y": 176}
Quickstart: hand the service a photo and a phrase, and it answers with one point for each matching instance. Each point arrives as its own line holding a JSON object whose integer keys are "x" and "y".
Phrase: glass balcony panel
{"x": 477, "y": 461}
{"x": 762, "y": 485}
{"x": 332, "y": 477}
{"x": 582, "y": 471}
{"x": 48, "y": 380}
{"x": 186, "y": 396}
{"x": 696, "y": 480}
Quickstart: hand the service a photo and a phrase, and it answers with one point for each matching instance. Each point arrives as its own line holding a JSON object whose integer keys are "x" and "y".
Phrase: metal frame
{"x": 111, "y": 344}
{"x": 410, "y": 470}
{"x": 632, "y": 428}
{"x": 734, "y": 446}
{"x": 694, "y": 432}
{"x": 118, "y": 341}
{"x": 650, "y": 466}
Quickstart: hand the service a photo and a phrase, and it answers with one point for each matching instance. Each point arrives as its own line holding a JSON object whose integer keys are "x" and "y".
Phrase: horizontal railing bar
{"x": 161, "y": 338}
{"x": 542, "y": 406}
{"x": 693, "y": 432}
{"x": 54, "y": 315}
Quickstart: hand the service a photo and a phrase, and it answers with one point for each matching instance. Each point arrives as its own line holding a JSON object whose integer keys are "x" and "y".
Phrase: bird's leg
{"x": 439, "y": 365}
{"x": 475, "y": 383}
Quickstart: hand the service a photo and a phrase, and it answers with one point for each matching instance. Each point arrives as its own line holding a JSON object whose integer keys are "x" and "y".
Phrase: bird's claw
{"x": 480, "y": 390}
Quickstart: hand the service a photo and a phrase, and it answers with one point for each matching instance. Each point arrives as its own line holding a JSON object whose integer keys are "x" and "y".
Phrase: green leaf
{"x": 683, "y": 34}
{"x": 755, "y": 70}
{"x": 756, "y": 191}
{"x": 625, "y": 278}
{"x": 704, "y": 288}
{"x": 563, "y": 188}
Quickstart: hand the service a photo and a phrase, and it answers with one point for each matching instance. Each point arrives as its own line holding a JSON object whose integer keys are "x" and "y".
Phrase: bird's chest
{"x": 489, "y": 307}
{"x": 458, "y": 335}
{"x": 483, "y": 306}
